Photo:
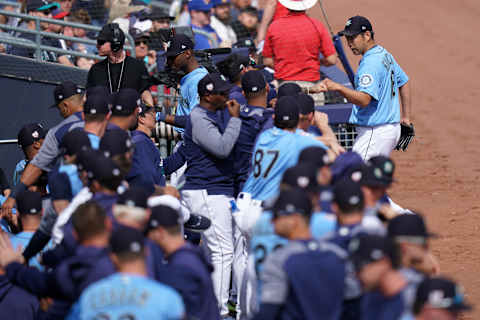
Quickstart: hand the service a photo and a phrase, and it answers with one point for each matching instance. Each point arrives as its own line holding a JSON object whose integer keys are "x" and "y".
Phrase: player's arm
{"x": 329, "y": 61}
{"x": 268, "y": 62}
{"x": 268, "y": 13}
{"x": 358, "y": 98}
{"x": 406, "y": 103}
{"x": 147, "y": 98}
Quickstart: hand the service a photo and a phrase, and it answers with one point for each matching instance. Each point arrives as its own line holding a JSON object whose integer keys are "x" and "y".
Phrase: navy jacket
{"x": 237, "y": 93}
{"x": 15, "y": 302}
{"x": 189, "y": 273}
{"x": 146, "y": 171}
{"x": 253, "y": 118}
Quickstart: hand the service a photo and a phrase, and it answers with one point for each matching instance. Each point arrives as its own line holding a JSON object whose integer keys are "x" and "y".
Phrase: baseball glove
{"x": 406, "y": 136}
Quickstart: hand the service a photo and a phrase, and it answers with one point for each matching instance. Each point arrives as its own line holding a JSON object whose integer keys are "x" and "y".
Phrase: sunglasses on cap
{"x": 139, "y": 42}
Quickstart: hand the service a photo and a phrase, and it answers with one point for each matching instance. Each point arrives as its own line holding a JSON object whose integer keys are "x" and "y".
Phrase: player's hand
{"x": 320, "y": 119}
{"x": 328, "y": 85}
{"x": 7, "y": 253}
{"x": 406, "y": 121}
{"x": 233, "y": 108}
{"x": 152, "y": 55}
{"x": 7, "y": 207}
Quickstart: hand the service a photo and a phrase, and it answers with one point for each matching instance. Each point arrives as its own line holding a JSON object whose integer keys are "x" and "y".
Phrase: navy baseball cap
{"x": 306, "y": 103}
{"x": 200, "y": 5}
{"x": 134, "y": 197}
{"x": 366, "y": 249}
{"x": 231, "y": 66}
{"x": 29, "y": 202}
{"x": 303, "y": 176}
{"x": 288, "y": 89}
{"x": 286, "y": 109}
{"x": 116, "y": 142}
{"x": 158, "y": 13}
{"x": 163, "y": 216}
{"x": 100, "y": 90}
{"x": 97, "y": 104}
{"x": 179, "y": 44}
{"x": 440, "y": 293}
{"x": 74, "y": 141}
{"x": 386, "y": 165}
{"x": 373, "y": 176}
{"x": 213, "y": 83}
{"x": 86, "y": 159}
{"x": 345, "y": 164}
{"x": 348, "y": 196}
{"x": 40, "y": 5}
{"x": 107, "y": 33}
{"x": 126, "y": 240}
{"x": 125, "y": 102}
{"x": 104, "y": 169}
{"x": 317, "y": 156}
{"x": 29, "y": 134}
{"x": 409, "y": 228}
{"x": 356, "y": 25}
{"x": 253, "y": 81}
{"x": 292, "y": 201}
{"x": 65, "y": 90}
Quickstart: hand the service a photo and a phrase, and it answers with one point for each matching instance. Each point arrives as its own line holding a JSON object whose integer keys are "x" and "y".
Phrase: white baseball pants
{"x": 376, "y": 141}
{"x": 218, "y": 240}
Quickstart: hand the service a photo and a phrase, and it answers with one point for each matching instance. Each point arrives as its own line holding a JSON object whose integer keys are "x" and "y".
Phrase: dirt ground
{"x": 436, "y": 43}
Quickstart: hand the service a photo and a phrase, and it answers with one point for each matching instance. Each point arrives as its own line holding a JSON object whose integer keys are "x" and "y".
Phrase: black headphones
{"x": 118, "y": 37}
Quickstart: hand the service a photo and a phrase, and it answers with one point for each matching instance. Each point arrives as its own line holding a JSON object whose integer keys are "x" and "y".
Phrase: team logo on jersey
{"x": 366, "y": 80}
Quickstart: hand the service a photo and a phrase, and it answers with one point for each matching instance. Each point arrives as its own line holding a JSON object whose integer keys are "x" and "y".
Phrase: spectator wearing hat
{"x": 128, "y": 253}
{"x": 118, "y": 71}
{"x": 96, "y": 113}
{"x": 205, "y": 35}
{"x": 221, "y": 20}
{"x": 291, "y": 288}
{"x": 43, "y": 9}
{"x": 439, "y": 298}
{"x": 30, "y": 139}
{"x": 118, "y": 145}
{"x": 69, "y": 100}
{"x": 125, "y": 108}
{"x": 375, "y": 260}
{"x": 161, "y": 19}
{"x": 188, "y": 269}
{"x": 66, "y": 281}
{"x": 142, "y": 50}
{"x": 295, "y": 55}
{"x": 208, "y": 189}
{"x": 147, "y": 166}
{"x": 245, "y": 26}
{"x": 276, "y": 150}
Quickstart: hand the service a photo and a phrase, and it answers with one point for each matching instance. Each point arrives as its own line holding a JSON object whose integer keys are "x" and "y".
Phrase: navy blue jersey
{"x": 375, "y": 306}
{"x": 306, "y": 278}
{"x": 237, "y": 93}
{"x": 253, "y": 119}
{"x": 189, "y": 272}
{"x": 146, "y": 171}
{"x": 15, "y": 302}
{"x": 64, "y": 182}
{"x": 106, "y": 201}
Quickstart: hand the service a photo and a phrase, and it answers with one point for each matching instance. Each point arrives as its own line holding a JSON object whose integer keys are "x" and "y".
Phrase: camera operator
{"x": 118, "y": 70}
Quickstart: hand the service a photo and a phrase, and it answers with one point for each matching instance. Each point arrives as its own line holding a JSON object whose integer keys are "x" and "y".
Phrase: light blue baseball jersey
{"x": 127, "y": 296}
{"x": 276, "y": 150}
{"x": 94, "y": 141}
{"x": 18, "y": 171}
{"x": 380, "y": 76}
{"x": 22, "y": 239}
{"x": 188, "y": 95}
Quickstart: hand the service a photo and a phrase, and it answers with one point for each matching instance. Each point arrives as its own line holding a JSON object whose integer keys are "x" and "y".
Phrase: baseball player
{"x": 188, "y": 271}
{"x": 381, "y": 87}
{"x": 96, "y": 113}
{"x": 125, "y": 108}
{"x": 276, "y": 150}
{"x": 128, "y": 294}
{"x": 305, "y": 278}
{"x": 208, "y": 189}
{"x": 30, "y": 139}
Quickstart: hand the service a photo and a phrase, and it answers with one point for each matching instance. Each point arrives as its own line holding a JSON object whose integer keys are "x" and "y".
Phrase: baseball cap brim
{"x": 48, "y": 6}
{"x": 225, "y": 87}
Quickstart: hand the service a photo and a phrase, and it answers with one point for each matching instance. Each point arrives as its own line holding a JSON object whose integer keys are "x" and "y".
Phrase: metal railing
{"x": 38, "y": 46}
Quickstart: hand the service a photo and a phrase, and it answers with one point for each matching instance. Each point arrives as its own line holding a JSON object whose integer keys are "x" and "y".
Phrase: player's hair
{"x": 251, "y": 95}
{"x": 173, "y": 230}
{"x": 95, "y": 117}
{"x": 77, "y": 99}
{"x": 89, "y": 220}
{"x": 126, "y": 257}
{"x": 285, "y": 124}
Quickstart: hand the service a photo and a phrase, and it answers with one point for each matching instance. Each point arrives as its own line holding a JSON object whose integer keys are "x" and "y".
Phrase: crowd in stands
{"x": 218, "y": 23}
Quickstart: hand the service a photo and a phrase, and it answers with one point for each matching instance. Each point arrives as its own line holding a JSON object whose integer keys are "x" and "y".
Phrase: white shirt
{"x": 225, "y": 32}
